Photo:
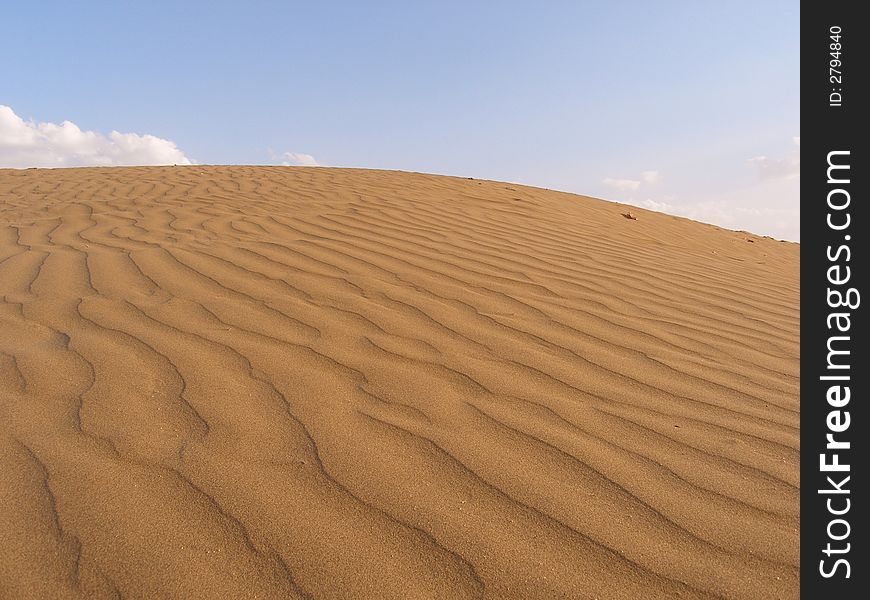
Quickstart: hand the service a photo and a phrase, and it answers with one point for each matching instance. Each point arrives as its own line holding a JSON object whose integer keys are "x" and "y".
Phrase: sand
{"x": 268, "y": 382}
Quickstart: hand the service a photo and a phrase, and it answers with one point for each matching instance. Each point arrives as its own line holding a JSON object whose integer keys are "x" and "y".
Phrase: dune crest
{"x": 267, "y": 382}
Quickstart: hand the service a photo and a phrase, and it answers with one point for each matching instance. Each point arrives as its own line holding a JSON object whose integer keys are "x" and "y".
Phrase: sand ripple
{"x": 262, "y": 382}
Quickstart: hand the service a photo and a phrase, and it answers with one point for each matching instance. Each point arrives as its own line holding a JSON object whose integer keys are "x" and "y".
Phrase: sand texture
{"x": 267, "y": 382}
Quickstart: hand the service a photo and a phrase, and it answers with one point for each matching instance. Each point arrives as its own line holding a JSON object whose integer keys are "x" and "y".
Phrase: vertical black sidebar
{"x": 835, "y": 368}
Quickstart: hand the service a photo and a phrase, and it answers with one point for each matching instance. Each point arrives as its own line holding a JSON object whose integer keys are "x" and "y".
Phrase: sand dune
{"x": 267, "y": 382}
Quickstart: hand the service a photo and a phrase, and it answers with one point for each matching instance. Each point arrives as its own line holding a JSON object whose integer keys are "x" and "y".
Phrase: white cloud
{"x": 767, "y": 204}
{"x": 650, "y": 177}
{"x": 34, "y": 144}
{"x": 768, "y": 207}
{"x": 656, "y": 205}
{"x": 777, "y": 168}
{"x": 295, "y": 159}
{"x": 787, "y": 167}
{"x": 631, "y": 185}
{"x": 623, "y": 185}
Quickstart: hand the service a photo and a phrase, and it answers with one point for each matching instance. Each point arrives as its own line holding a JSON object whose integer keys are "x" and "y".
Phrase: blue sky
{"x": 688, "y": 107}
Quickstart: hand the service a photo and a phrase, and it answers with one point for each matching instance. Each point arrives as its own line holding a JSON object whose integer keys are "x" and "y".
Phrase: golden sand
{"x": 267, "y": 382}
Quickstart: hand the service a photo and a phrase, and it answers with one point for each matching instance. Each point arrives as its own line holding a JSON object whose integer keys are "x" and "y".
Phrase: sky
{"x": 690, "y": 108}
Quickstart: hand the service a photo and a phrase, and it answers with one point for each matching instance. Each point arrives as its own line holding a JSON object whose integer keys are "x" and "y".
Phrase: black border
{"x": 826, "y": 128}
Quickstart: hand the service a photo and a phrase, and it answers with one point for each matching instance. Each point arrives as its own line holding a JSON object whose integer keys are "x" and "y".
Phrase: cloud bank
{"x": 747, "y": 209}
{"x": 296, "y": 159}
{"x": 786, "y": 167}
{"x": 631, "y": 185}
{"x": 764, "y": 198}
{"x": 34, "y": 144}
{"x": 623, "y": 185}
{"x": 650, "y": 176}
